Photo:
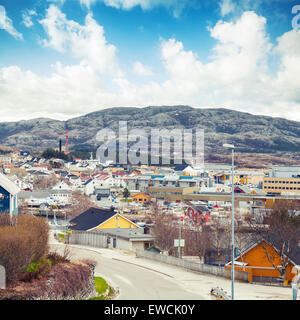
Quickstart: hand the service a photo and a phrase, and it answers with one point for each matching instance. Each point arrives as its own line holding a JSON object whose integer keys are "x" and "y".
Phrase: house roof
{"x": 91, "y": 218}
{"x": 140, "y": 194}
{"x": 8, "y": 185}
{"x": 180, "y": 167}
{"x": 253, "y": 244}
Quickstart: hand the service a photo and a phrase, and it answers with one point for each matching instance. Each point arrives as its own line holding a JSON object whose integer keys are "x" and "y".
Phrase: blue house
{"x": 8, "y": 196}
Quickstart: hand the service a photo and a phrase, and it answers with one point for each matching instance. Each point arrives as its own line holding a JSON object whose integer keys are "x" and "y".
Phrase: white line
{"x": 124, "y": 279}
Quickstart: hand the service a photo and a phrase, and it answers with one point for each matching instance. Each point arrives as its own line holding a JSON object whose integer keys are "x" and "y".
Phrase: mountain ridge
{"x": 249, "y": 132}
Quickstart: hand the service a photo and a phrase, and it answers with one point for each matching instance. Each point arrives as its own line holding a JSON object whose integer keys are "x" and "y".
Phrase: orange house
{"x": 255, "y": 261}
{"x": 141, "y": 198}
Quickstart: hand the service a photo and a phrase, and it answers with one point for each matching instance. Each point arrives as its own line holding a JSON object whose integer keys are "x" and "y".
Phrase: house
{"x": 128, "y": 239}
{"x": 62, "y": 185}
{"x": 89, "y": 187}
{"x": 198, "y": 213}
{"x": 20, "y": 183}
{"x": 36, "y": 198}
{"x": 141, "y": 198}
{"x": 98, "y": 219}
{"x": 248, "y": 190}
{"x": 254, "y": 260}
{"x": 8, "y": 196}
{"x": 102, "y": 193}
{"x": 180, "y": 168}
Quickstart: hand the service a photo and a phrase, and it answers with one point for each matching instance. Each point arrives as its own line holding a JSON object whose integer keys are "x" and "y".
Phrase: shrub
{"x": 21, "y": 244}
{"x": 36, "y": 270}
{"x": 56, "y": 258}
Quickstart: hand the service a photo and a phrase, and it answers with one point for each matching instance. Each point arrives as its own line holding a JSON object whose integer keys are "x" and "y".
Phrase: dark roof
{"x": 91, "y": 218}
{"x": 180, "y": 167}
{"x": 87, "y": 182}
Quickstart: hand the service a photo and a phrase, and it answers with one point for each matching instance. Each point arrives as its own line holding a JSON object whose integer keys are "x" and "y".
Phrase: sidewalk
{"x": 193, "y": 281}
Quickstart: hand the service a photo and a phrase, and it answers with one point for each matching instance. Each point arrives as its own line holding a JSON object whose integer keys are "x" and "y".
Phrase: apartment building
{"x": 283, "y": 180}
{"x": 281, "y": 185}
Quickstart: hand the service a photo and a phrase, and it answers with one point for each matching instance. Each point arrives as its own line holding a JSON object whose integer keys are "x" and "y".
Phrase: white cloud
{"x": 26, "y": 16}
{"x": 7, "y": 24}
{"x": 226, "y": 6}
{"x": 86, "y": 43}
{"x": 236, "y": 76}
{"x": 141, "y": 69}
{"x": 175, "y": 6}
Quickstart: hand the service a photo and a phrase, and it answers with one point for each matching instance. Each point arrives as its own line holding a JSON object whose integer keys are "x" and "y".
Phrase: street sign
{"x": 177, "y": 244}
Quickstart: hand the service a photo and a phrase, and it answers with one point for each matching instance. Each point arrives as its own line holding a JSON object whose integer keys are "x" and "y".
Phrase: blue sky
{"x": 61, "y": 59}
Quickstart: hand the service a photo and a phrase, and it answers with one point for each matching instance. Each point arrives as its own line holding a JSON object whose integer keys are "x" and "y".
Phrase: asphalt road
{"x": 134, "y": 282}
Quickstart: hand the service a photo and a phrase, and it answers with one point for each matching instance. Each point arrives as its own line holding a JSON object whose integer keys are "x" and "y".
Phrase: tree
{"x": 220, "y": 240}
{"x": 281, "y": 230}
{"x": 197, "y": 241}
{"x": 165, "y": 233}
{"x": 79, "y": 204}
{"x": 19, "y": 172}
{"x": 126, "y": 193}
{"x": 44, "y": 182}
{"x": 51, "y": 153}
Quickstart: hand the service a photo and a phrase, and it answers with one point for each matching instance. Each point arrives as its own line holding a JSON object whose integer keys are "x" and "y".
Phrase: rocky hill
{"x": 251, "y": 133}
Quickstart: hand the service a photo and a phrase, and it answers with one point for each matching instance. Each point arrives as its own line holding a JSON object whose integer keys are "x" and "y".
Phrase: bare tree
{"x": 280, "y": 230}
{"x": 197, "y": 240}
{"x": 79, "y": 204}
{"x": 44, "y": 182}
{"x": 19, "y": 172}
{"x": 165, "y": 232}
{"x": 220, "y": 236}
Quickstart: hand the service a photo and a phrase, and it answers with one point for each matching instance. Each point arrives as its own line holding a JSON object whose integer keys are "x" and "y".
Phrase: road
{"x": 133, "y": 282}
{"x": 145, "y": 279}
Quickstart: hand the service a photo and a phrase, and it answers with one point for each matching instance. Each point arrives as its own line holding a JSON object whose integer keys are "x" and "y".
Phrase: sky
{"x": 64, "y": 58}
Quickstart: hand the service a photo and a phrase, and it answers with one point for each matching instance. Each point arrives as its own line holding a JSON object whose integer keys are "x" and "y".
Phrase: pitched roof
{"x": 8, "y": 185}
{"x": 180, "y": 167}
{"x": 91, "y": 218}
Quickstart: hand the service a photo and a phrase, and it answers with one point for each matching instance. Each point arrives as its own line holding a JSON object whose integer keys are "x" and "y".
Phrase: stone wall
{"x": 65, "y": 281}
{"x": 83, "y": 289}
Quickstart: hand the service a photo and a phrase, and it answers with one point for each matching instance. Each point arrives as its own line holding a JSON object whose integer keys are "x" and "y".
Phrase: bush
{"x": 23, "y": 243}
{"x": 56, "y": 258}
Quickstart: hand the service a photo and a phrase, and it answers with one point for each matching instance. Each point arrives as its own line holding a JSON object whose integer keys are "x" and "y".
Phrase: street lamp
{"x": 231, "y": 146}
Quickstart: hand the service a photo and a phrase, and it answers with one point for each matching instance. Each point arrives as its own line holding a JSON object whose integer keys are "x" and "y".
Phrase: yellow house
{"x": 96, "y": 218}
{"x": 117, "y": 221}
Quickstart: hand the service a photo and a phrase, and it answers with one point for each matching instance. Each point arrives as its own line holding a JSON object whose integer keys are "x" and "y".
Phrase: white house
{"x": 62, "y": 185}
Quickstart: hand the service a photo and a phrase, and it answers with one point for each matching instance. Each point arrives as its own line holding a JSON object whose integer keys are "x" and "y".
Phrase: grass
{"x": 63, "y": 235}
{"x": 101, "y": 287}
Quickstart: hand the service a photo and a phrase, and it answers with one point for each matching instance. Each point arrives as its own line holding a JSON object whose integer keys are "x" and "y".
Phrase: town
{"x": 179, "y": 211}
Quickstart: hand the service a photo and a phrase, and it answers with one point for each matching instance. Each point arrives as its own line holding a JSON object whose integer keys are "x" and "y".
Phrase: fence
{"x": 194, "y": 266}
{"x": 94, "y": 239}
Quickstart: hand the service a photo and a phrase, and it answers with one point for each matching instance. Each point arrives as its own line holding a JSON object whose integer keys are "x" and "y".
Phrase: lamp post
{"x": 231, "y": 146}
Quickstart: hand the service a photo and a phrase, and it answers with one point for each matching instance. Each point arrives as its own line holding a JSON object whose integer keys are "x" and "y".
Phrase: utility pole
{"x": 230, "y": 146}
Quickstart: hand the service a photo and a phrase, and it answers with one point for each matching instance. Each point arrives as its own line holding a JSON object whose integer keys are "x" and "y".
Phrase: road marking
{"x": 138, "y": 265}
{"x": 124, "y": 279}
